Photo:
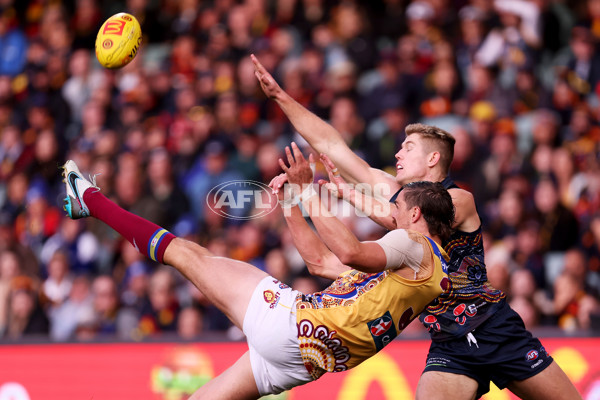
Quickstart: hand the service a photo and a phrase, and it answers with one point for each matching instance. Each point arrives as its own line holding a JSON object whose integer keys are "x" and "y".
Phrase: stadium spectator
{"x": 527, "y": 252}
{"x": 81, "y": 248}
{"x": 13, "y": 44}
{"x": 106, "y": 307}
{"x": 66, "y": 318}
{"x": 135, "y": 280}
{"x": 472, "y": 34}
{"x": 162, "y": 188}
{"x": 509, "y": 215}
{"x": 591, "y": 249}
{"x": 10, "y": 268}
{"x": 582, "y": 71}
{"x": 572, "y": 305}
{"x": 512, "y": 45}
{"x": 190, "y": 323}
{"x": 56, "y": 288}
{"x": 161, "y": 313}
{"x": 559, "y": 230}
{"x": 15, "y": 153}
{"x": 79, "y": 88}
{"x": 25, "y": 315}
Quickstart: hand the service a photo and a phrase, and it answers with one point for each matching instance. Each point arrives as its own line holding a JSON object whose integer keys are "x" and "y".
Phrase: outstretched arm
{"x": 319, "y": 260}
{"x": 323, "y": 137}
{"x": 369, "y": 202}
{"x": 363, "y": 256}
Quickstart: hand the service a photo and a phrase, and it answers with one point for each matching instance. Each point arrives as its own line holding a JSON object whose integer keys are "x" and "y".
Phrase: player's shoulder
{"x": 461, "y": 195}
{"x": 466, "y": 217}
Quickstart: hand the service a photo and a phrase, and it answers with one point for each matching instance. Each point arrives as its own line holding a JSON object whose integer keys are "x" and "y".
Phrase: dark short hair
{"x": 435, "y": 204}
{"x": 436, "y": 139}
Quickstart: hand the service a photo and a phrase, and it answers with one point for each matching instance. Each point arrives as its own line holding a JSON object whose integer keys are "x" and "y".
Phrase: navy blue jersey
{"x": 471, "y": 299}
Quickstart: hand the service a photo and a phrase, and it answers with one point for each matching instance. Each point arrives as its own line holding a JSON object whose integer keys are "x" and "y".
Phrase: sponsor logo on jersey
{"x": 538, "y": 362}
{"x": 459, "y": 309}
{"x": 432, "y": 323}
{"x": 471, "y": 310}
{"x": 381, "y": 326}
{"x": 382, "y": 330}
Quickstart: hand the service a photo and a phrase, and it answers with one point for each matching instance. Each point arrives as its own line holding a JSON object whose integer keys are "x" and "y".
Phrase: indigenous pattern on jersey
{"x": 360, "y": 313}
{"x": 471, "y": 299}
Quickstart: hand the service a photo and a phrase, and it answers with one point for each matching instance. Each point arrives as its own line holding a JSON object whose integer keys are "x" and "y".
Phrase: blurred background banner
{"x": 172, "y": 371}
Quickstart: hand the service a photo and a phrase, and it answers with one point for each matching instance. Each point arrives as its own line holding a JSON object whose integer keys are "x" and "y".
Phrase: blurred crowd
{"x": 516, "y": 82}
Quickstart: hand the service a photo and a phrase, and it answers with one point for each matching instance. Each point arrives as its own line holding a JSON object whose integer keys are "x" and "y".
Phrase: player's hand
{"x": 337, "y": 185}
{"x": 277, "y": 185}
{"x": 283, "y": 190}
{"x": 267, "y": 83}
{"x": 300, "y": 172}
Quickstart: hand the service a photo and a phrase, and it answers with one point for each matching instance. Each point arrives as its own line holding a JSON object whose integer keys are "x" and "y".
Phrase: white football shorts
{"x": 270, "y": 327}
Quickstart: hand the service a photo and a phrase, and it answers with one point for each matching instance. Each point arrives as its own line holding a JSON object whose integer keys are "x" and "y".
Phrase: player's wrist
{"x": 289, "y": 202}
{"x": 308, "y": 193}
{"x": 290, "y": 198}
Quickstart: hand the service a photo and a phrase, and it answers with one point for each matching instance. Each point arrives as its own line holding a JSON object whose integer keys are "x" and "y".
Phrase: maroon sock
{"x": 149, "y": 239}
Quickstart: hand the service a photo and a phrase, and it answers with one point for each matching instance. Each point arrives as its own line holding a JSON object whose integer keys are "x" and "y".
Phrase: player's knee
{"x": 194, "y": 249}
{"x": 183, "y": 250}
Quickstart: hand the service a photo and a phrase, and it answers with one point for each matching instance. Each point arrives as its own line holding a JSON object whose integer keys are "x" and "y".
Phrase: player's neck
{"x": 421, "y": 227}
{"x": 435, "y": 175}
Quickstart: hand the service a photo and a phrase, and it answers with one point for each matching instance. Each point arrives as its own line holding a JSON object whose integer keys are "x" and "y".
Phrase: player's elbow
{"x": 315, "y": 262}
{"x": 316, "y": 269}
{"x": 319, "y": 266}
{"x": 350, "y": 256}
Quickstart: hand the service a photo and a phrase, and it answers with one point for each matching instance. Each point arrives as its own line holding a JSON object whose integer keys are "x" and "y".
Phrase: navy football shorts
{"x": 500, "y": 350}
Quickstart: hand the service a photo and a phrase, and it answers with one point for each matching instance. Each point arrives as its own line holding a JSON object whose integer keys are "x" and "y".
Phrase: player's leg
{"x": 226, "y": 282}
{"x": 436, "y": 385}
{"x": 235, "y": 383}
{"x": 550, "y": 384}
{"x": 454, "y": 371}
{"x": 524, "y": 366}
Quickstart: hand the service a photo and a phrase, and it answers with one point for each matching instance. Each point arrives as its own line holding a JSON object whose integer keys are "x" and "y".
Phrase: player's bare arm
{"x": 466, "y": 218}
{"x": 322, "y": 137}
{"x": 319, "y": 260}
{"x": 373, "y": 202}
{"x": 363, "y": 256}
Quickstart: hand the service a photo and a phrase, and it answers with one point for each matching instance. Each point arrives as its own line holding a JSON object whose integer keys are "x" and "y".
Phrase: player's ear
{"x": 433, "y": 158}
{"x": 415, "y": 214}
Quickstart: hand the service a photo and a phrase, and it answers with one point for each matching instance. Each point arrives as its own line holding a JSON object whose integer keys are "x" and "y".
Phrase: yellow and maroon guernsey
{"x": 361, "y": 313}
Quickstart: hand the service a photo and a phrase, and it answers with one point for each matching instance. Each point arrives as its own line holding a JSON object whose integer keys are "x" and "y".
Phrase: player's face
{"x": 411, "y": 164}
{"x": 400, "y": 213}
